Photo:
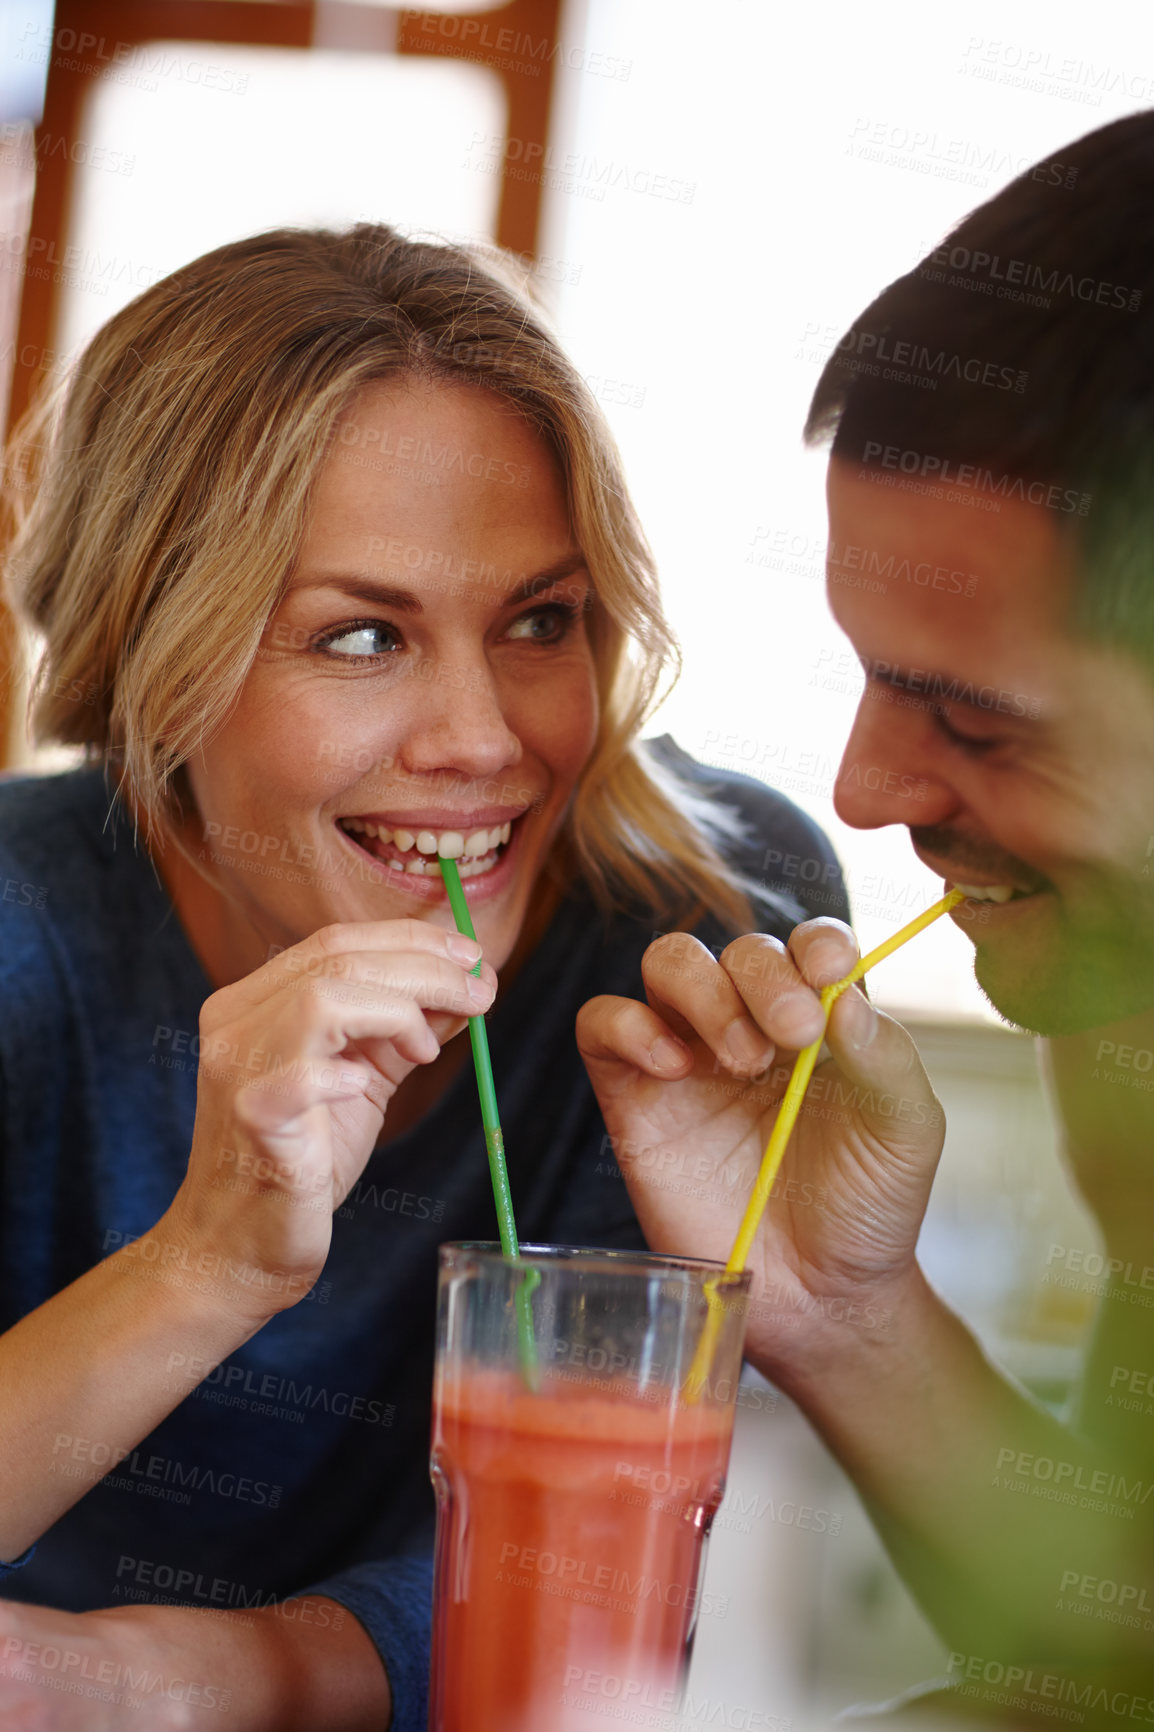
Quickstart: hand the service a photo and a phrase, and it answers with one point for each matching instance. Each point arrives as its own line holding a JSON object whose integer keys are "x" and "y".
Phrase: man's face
{"x": 1019, "y": 754}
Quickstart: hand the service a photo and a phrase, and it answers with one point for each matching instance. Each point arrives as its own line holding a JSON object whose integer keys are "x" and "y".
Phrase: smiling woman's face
{"x": 427, "y": 681}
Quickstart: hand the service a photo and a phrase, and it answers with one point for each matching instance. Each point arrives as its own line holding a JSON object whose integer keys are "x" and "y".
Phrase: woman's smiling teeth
{"x": 416, "y": 851}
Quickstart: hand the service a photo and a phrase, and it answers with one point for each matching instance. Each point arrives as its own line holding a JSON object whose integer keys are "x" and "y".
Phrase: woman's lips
{"x": 404, "y": 859}
{"x": 415, "y": 850}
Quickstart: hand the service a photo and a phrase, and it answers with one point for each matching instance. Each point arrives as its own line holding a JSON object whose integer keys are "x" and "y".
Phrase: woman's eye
{"x": 543, "y": 625}
{"x": 370, "y": 638}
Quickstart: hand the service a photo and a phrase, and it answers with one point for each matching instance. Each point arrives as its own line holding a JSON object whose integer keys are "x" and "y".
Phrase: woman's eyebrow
{"x": 552, "y": 574}
{"x": 378, "y": 594}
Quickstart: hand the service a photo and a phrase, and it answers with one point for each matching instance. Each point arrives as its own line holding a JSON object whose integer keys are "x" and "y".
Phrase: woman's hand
{"x": 689, "y": 1087}
{"x": 299, "y": 1664}
{"x": 298, "y": 1063}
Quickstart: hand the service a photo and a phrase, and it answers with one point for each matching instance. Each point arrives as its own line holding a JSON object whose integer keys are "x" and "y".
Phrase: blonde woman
{"x": 333, "y": 566}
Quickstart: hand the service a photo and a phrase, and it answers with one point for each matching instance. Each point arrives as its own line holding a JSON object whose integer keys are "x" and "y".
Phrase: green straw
{"x": 494, "y": 1140}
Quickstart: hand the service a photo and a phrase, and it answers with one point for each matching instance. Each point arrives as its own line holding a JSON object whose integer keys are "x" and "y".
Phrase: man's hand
{"x": 303, "y": 1663}
{"x": 690, "y": 1085}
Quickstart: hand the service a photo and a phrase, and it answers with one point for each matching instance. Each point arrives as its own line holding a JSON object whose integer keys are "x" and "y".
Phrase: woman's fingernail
{"x": 744, "y": 1044}
{"x": 666, "y": 1053}
{"x": 479, "y": 990}
{"x": 463, "y": 949}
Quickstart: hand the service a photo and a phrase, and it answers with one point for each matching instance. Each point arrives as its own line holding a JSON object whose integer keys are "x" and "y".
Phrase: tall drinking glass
{"x": 575, "y": 1484}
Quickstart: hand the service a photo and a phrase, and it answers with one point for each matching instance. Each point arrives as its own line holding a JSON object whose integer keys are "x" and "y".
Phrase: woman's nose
{"x": 890, "y": 772}
{"x": 457, "y": 721}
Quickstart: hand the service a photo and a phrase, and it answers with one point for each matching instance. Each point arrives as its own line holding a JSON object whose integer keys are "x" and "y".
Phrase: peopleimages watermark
{"x": 689, "y": 1173}
{"x": 1023, "y": 280}
{"x": 795, "y": 771}
{"x": 964, "y": 160}
{"x": 141, "y": 64}
{"x": 881, "y": 354}
{"x": 19, "y": 143}
{"x": 597, "y": 1367}
{"x": 1070, "y": 1482}
{"x": 885, "y": 678}
{"x": 78, "y": 1673}
{"x": 1128, "y": 1066}
{"x": 202, "y": 1271}
{"x": 614, "y": 1696}
{"x": 22, "y": 894}
{"x": 1026, "y": 66}
{"x": 607, "y": 1585}
{"x": 271, "y": 1395}
{"x": 426, "y": 454}
{"x": 572, "y": 170}
{"x": 1139, "y": 1387}
{"x": 1106, "y": 1592}
{"x": 1089, "y": 1272}
{"x": 643, "y": 1486}
{"x": 174, "y": 1585}
{"x": 158, "y": 1475}
{"x": 77, "y": 267}
{"x": 944, "y": 471}
{"x": 1030, "y": 1687}
{"x": 508, "y": 49}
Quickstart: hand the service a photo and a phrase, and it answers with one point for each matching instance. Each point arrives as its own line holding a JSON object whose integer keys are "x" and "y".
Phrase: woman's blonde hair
{"x": 162, "y": 499}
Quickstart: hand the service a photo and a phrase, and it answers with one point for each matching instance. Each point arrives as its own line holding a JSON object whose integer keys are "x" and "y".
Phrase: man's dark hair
{"x": 1018, "y": 359}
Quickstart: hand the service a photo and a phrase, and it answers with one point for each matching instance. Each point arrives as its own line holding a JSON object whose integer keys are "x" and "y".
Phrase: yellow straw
{"x": 779, "y": 1137}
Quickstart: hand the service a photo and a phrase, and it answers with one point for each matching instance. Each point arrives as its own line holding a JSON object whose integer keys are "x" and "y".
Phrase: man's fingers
{"x": 824, "y": 950}
{"x": 620, "y": 1031}
{"x": 745, "y": 1006}
{"x": 698, "y": 998}
{"x": 780, "y": 986}
{"x": 879, "y": 1059}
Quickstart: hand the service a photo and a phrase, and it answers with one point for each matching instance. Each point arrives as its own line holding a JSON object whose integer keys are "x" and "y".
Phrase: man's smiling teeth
{"x": 985, "y": 892}
{"x": 477, "y": 851}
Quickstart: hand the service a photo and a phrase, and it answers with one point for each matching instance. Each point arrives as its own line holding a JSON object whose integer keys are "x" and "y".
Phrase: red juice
{"x": 570, "y": 1542}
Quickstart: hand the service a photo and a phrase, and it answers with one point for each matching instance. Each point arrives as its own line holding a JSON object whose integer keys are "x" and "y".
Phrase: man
{"x": 1009, "y": 662}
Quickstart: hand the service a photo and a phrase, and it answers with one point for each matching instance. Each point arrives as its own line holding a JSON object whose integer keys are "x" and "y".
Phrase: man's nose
{"x": 891, "y": 770}
{"x": 457, "y": 721}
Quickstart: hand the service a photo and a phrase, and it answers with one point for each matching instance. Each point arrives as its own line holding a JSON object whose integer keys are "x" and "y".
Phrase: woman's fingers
{"x": 292, "y": 1089}
{"x": 324, "y": 1002}
{"x": 330, "y": 950}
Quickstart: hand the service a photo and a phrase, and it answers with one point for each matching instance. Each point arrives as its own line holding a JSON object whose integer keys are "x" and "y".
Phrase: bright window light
{"x": 205, "y": 143}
